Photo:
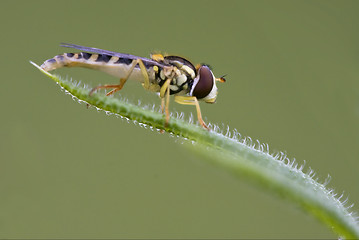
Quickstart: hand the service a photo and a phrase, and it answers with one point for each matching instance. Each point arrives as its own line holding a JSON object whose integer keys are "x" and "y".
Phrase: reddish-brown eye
{"x": 205, "y": 83}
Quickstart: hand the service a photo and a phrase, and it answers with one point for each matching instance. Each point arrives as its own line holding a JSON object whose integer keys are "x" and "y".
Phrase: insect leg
{"x": 118, "y": 87}
{"x": 167, "y": 106}
{"x": 165, "y": 99}
{"x": 146, "y": 83}
{"x": 191, "y": 100}
{"x": 115, "y": 87}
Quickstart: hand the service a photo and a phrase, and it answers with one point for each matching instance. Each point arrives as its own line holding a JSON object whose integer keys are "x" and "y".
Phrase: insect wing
{"x": 116, "y": 54}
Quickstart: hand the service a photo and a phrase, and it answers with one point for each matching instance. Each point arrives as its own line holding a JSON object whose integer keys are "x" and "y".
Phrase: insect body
{"x": 167, "y": 75}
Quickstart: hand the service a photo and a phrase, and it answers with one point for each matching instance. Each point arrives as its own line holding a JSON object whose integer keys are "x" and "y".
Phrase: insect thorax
{"x": 181, "y": 77}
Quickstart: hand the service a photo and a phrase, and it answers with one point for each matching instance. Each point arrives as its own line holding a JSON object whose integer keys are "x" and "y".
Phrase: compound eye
{"x": 205, "y": 83}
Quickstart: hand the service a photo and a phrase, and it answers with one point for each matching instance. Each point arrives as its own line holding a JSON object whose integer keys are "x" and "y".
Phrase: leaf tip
{"x": 34, "y": 64}
{"x": 41, "y": 69}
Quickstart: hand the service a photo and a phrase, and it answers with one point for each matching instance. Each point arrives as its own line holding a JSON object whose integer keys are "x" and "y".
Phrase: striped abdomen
{"x": 115, "y": 66}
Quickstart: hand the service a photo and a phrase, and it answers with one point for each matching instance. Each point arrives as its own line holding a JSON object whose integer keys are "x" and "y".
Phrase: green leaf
{"x": 240, "y": 156}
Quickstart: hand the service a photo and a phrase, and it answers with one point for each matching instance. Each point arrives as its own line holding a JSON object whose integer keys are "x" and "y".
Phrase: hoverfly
{"x": 166, "y": 75}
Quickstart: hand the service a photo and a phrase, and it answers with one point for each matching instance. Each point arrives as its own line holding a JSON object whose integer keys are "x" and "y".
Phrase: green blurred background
{"x": 71, "y": 172}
